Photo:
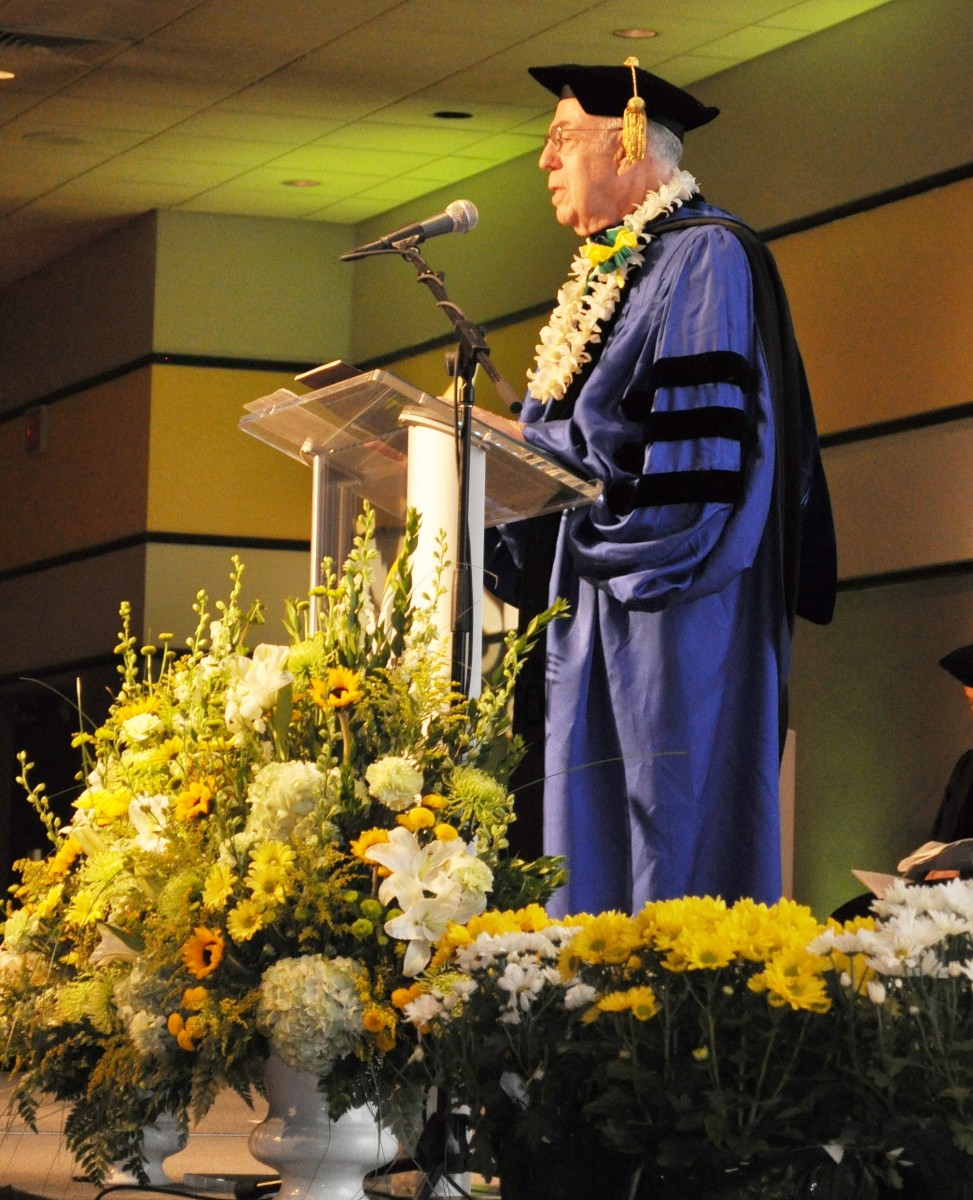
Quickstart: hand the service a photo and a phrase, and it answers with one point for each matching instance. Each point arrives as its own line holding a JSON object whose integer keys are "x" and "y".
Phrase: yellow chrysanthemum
{"x": 705, "y": 949}
{"x": 194, "y": 998}
{"x": 416, "y": 818}
{"x": 445, "y": 833}
{"x": 218, "y": 887}
{"x": 50, "y": 901}
{"x": 86, "y": 906}
{"x": 380, "y": 1023}
{"x": 341, "y": 689}
{"x": 203, "y": 952}
{"x": 433, "y": 800}
{"x": 661, "y": 922}
{"x": 609, "y": 937}
{"x": 195, "y": 800}
{"x": 641, "y": 1002}
{"x": 794, "y": 978}
{"x": 370, "y": 837}
{"x": 245, "y": 920}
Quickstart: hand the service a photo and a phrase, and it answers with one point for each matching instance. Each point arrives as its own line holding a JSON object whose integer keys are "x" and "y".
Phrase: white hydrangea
{"x": 310, "y": 1009}
{"x": 283, "y": 800}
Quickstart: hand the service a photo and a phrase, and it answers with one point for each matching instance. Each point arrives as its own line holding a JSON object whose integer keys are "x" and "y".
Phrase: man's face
{"x": 586, "y": 189}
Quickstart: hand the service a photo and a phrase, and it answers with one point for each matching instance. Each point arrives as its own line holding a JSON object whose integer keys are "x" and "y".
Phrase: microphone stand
{"x": 472, "y": 352}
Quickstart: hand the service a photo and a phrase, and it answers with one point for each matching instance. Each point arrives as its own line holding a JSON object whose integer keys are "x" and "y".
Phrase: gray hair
{"x": 663, "y": 144}
{"x": 660, "y": 143}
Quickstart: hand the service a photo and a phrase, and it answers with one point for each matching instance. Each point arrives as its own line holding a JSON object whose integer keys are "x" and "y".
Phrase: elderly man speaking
{"x": 669, "y": 372}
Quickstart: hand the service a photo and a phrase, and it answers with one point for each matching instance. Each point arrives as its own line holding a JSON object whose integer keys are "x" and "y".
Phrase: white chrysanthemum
{"x": 424, "y": 1008}
{"x": 579, "y": 995}
{"x": 141, "y": 728}
{"x": 394, "y": 781}
{"x": 310, "y": 1009}
{"x": 254, "y": 685}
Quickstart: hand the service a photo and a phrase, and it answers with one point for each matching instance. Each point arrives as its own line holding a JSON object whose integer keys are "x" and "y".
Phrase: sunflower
{"x": 203, "y": 952}
{"x": 341, "y": 689}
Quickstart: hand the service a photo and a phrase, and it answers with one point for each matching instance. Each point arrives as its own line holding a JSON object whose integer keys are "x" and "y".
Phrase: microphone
{"x": 460, "y": 217}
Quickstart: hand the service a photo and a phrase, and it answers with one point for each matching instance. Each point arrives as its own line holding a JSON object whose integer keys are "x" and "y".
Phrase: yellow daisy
{"x": 218, "y": 887}
{"x": 245, "y": 920}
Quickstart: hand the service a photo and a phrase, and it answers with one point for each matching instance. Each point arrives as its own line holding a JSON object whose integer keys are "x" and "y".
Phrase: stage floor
{"x": 39, "y": 1164}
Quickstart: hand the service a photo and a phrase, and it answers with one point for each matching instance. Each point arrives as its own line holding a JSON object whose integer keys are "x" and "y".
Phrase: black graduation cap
{"x": 959, "y": 663}
{"x": 606, "y": 92}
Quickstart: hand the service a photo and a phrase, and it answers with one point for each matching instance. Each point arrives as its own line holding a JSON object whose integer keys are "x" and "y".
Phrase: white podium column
{"x": 432, "y": 488}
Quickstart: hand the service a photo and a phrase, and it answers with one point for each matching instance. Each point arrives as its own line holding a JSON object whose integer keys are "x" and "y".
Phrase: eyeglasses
{"x": 555, "y": 136}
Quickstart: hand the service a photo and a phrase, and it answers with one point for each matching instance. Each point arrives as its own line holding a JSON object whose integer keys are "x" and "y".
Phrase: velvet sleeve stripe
{"x": 710, "y": 421}
{"x": 689, "y": 370}
{"x": 675, "y": 487}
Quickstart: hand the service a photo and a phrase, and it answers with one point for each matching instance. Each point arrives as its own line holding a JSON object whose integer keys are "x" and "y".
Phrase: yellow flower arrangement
{"x": 221, "y": 863}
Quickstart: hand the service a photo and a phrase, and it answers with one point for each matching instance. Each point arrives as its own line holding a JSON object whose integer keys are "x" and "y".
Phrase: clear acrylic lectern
{"x": 366, "y": 437}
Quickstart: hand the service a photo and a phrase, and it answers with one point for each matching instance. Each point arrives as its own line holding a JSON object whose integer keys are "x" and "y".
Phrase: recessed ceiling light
{"x": 634, "y": 33}
{"x": 7, "y": 75}
{"x": 452, "y": 114}
{"x": 302, "y": 183}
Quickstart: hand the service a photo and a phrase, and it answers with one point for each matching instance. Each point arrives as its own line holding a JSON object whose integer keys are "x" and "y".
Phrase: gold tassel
{"x": 634, "y": 120}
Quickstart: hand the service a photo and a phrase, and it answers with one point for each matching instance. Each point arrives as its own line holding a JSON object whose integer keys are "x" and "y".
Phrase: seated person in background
{"x": 955, "y": 817}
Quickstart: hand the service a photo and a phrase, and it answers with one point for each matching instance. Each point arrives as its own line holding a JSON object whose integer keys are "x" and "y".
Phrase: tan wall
{"x": 206, "y": 476}
{"x": 90, "y": 486}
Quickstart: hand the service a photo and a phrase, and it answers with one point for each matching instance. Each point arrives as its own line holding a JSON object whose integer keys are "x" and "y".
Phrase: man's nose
{"x": 549, "y": 157}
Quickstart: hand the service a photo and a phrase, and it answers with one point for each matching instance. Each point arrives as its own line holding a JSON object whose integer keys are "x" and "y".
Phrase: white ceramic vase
{"x": 316, "y": 1157}
{"x": 167, "y": 1135}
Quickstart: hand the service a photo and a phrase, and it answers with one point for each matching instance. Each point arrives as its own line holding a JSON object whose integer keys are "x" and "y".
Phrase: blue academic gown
{"x": 664, "y": 685}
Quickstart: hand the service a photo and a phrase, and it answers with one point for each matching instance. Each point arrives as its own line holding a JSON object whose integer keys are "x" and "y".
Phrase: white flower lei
{"x": 589, "y": 298}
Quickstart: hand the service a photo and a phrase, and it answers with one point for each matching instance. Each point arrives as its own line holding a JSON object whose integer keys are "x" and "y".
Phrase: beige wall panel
{"x": 903, "y": 501}
{"x": 174, "y": 575}
{"x": 252, "y": 288}
{"x": 206, "y": 476}
{"x": 883, "y": 307}
{"x": 879, "y": 726}
{"x": 89, "y": 486}
{"x": 68, "y": 613}
{"x": 871, "y": 104}
{"x": 85, "y": 314}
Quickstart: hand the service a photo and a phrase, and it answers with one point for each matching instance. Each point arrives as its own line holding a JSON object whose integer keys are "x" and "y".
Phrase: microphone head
{"x": 464, "y": 215}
